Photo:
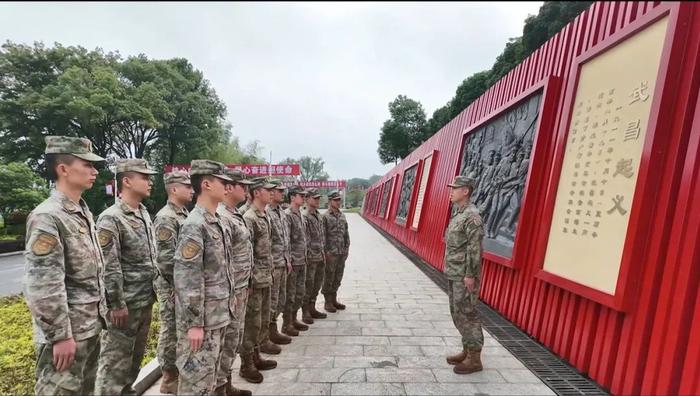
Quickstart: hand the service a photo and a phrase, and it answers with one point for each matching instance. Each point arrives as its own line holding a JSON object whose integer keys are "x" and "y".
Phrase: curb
{"x": 148, "y": 376}
{"x": 11, "y": 253}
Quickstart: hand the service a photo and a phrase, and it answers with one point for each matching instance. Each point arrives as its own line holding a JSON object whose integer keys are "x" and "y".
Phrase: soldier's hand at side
{"x": 470, "y": 284}
{"x": 196, "y": 337}
{"x": 120, "y": 317}
{"x": 289, "y": 267}
{"x": 64, "y": 354}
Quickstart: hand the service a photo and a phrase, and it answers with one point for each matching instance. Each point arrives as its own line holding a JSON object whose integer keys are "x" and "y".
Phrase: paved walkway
{"x": 391, "y": 340}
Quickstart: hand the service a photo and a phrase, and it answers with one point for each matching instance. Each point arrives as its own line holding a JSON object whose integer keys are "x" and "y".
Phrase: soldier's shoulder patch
{"x": 44, "y": 244}
{"x": 104, "y": 237}
{"x": 475, "y": 220}
{"x": 190, "y": 250}
{"x": 164, "y": 234}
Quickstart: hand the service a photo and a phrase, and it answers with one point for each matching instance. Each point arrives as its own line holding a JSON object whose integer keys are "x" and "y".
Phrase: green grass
{"x": 352, "y": 210}
{"x": 10, "y": 237}
{"x": 17, "y": 359}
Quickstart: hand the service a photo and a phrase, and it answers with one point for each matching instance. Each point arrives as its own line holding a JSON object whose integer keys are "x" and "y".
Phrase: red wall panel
{"x": 654, "y": 346}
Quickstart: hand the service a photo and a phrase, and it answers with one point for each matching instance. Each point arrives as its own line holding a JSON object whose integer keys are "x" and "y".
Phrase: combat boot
{"x": 288, "y": 328}
{"x": 458, "y": 358}
{"x": 337, "y": 304}
{"x": 297, "y": 324}
{"x": 260, "y": 363}
{"x": 314, "y": 313}
{"x": 169, "y": 382}
{"x": 328, "y": 304}
{"x": 276, "y": 337}
{"x": 270, "y": 348}
{"x": 471, "y": 364}
{"x": 306, "y": 315}
{"x": 248, "y": 370}
{"x": 233, "y": 391}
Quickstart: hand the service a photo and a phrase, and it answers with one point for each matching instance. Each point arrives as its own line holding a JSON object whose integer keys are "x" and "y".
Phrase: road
{"x": 11, "y": 274}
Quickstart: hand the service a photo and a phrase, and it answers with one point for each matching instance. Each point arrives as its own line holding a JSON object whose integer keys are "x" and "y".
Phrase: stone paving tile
{"x": 362, "y": 340}
{"x": 449, "y": 332}
{"x": 325, "y": 323}
{"x": 334, "y": 350}
{"x": 514, "y": 389}
{"x": 375, "y": 316}
{"x": 399, "y": 375}
{"x": 393, "y": 350}
{"x": 409, "y": 325}
{"x": 363, "y": 361}
{"x": 367, "y": 389}
{"x": 333, "y": 331}
{"x": 284, "y": 361}
{"x": 315, "y": 340}
{"x": 421, "y": 362}
{"x": 416, "y": 341}
{"x": 361, "y": 323}
{"x": 387, "y": 331}
{"x": 332, "y": 375}
{"x": 440, "y": 389}
{"x": 487, "y": 375}
{"x": 519, "y": 376}
{"x": 293, "y": 389}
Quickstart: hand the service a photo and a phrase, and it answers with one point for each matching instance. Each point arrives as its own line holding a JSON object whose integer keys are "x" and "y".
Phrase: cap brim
{"x": 454, "y": 185}
{"x": 223, "y": 177}
{"x": 89, "y": 157}
{"x": 315, "y": 196}
{"x": 146, "y": 172}
{"x": 281, "y": 188}
{"x": 269, "y": 186}
{"x": 245, "y": 182}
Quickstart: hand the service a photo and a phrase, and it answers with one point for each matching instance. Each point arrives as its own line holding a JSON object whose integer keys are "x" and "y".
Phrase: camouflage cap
{"x": 313, "y": 193}
{"x": 134, "y": 165}
{"x": 296, "y": 190}
{"x": 262, "y": 182}
{"x": 177, "y": 177}
{"x": 278, "y": 185}
{"x": 79, "y": 147}
{"x": 208, "y": 168}
{"x": 237, "y": 176}
{"x": 334, "y": 195}
{"x": 462, "y": 181}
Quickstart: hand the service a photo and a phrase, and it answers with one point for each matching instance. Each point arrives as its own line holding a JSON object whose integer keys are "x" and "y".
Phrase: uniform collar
{"x": 210, "y": 218}
{"x": 66, "y": 202}
{"x": 177, "y": 209}
{"x": 128, "y": 209}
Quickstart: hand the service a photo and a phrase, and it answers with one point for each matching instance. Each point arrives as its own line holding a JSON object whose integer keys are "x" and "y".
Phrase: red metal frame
{"x": 419, "y": 178}
{"x": 534, "y": 180}
{"x": 412, "y": 201}
{"x": 635, "y": 241}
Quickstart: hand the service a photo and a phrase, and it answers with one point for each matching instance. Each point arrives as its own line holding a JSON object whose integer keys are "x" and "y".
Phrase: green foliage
{"x": 354, "y": 198}
{"x": 311, "y": 168}
{"x": 22, "y": 189}
{"x": 403, "y": 131}
{"x": 17, "y": 359}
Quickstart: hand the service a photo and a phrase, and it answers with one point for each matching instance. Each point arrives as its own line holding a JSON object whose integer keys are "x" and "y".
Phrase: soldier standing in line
{"x": 258, "y": 309}
{"x": 249, "y": 200}
{"x": 63, "y": 273}
{"x": 282, "y": 266}
{"x": 167, "y": 224}
{"x": 203, "y": 283}
{"x": 241, "y": 265}
{"x": 296, "y": 282}
{"x": 127, "y": 240}
{"x": 314, "y": 253}
{"x": 463, "y": 246}
{"x": 336, "y": 246}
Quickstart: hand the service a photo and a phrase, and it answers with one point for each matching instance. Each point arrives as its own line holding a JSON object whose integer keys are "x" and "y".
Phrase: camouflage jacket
{"x": 63, "y": 271}
{"x": 314, "y": 235}
{"x": 280, "y": 236}
{"x": 463, "y": 240}
{"x": 244, "y": 208}
{"x": 201, "y": 272}
{"x": 337, "y": 237}
{"x": 128, "y": 245}
{"x": 259, "y": 225}
{"x": 167, "y": 226}
{"x": 297, "y": 235}
{"x": 240, "y": 246}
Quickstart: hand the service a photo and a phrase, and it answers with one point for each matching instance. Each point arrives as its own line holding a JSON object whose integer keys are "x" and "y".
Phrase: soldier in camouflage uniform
{"x": 314, "y": 253}
{"x": 63, "y": 273}
{"x": 203, "y": 282}
{"x": 296, "y": 282}
{"x": 241, "y": 265}
{"x": 463, "y": 245}
{"x": 282, "y": 266}
{"x": 167, "y": 224}
{"x": 127, "y": 240}
{"x": 258, "y": 309}
{"x": 336, "y": 247}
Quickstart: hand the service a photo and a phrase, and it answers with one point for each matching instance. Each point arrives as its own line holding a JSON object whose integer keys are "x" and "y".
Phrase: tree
{"x": 22, "y": 189}
{"x": 311, "y": 168}
{"x": 404, "y": 131}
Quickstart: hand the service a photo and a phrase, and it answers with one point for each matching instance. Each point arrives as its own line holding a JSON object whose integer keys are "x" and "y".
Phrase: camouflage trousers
{"x": 233, "y": 337}
{"x": 167, "y": 339}
{"x": 79, "y": 379}
{"x": 257, "y": 316}
{"x": 296, "y": 286}
{"x": 465, "y": 315}
{"x": 278, "y": 294}
{"x": 315, "y": 272}
{"x": 335, "y": 267}
{"x": 121, "y": 352}
{"x": 198, "y": 370}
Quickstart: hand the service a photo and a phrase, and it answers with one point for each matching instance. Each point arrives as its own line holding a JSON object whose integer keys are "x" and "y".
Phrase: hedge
{"x": 17, "y": 346}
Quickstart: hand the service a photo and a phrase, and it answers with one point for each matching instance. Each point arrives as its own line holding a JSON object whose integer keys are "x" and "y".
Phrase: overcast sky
{"x": 303, "y": 79}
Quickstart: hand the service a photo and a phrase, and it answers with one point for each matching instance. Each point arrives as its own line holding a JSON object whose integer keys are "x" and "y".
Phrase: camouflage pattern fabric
{"x": 297, "y": 236}
{"x": 314, "y": 235}
{"x": 315, "y": 274}
{"x": 335, "y": 231}
{"x": 296, "y": 288}
{"x": 463, "y": 244}
{"x": 198, "y": 370}
{"x": 464, "y": 314}
{"x": 259, "y": 225}
{"x": 257, "y": 316}
{"x": 233, "y": 337}
{"x": 79, "y": 379}
{"x": 335, "y": 267}
{"x": 240, "y": 246}
{"x": 167, "y": 226}
{"x": 278, "y": 294}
